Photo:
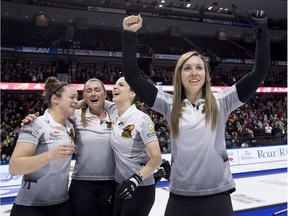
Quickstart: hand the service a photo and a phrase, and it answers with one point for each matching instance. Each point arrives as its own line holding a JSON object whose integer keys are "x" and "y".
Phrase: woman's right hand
{"x": 29, "y": 118}
{"x": 62, "y": 151}
{"x": 132, "y": 23}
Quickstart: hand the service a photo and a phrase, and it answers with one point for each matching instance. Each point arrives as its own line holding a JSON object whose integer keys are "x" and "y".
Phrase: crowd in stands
{"x": 25, "y": 71}
{"x": 261, "y": 121}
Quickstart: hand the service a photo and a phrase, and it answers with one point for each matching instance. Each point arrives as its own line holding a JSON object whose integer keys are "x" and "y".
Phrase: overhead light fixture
{"x": 188, "y": 5}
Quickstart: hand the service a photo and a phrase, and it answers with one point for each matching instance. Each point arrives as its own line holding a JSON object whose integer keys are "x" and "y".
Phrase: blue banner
{"x": 35, "y": 49}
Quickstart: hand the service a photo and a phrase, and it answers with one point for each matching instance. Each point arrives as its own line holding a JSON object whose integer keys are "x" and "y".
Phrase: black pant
{"x": 140, "y": 204}
{"x": 62, "y": 209}
{"x": 216, "y": 205}
{"x": 91, "y": 198}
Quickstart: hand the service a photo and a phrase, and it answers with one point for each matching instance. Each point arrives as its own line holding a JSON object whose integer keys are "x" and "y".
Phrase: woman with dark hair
{"x": 43, "y": 154}
{"x": 136, "y": 151}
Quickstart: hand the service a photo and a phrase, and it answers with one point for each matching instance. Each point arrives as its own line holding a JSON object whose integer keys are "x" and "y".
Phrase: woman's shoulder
{"x": 110, "y": 107}
{"x": 35, "y": 125}
{"x": 141, "y": 115}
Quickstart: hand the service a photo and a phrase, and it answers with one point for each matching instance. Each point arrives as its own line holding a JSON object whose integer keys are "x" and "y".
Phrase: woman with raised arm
{"x": 201, "y": 180}
{"x": 43, "y": 153}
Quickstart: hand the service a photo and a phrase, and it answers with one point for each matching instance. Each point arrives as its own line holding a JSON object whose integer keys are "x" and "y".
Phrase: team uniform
{"x": 93, "y": 175}
{"x": 203, "y": 148}
{"x": 203, "y": 145}
{"x": 45, "y": 191}
{"x": 200, "y": 181}
{"x": 130, "y": 134}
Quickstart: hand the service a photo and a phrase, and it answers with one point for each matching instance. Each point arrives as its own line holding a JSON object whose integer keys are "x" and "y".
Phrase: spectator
{"x": 245, "y": 144}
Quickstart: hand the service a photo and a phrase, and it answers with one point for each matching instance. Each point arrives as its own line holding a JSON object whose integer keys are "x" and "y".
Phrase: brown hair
{"x": 53, "y": 86}
{"x": 210, "y": 105}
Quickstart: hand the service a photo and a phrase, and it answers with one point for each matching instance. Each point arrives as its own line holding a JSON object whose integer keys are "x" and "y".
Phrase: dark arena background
{"x": 76, "y": 40}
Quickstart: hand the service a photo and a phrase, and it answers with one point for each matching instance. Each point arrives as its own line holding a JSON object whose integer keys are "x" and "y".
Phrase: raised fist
{"x": 258, "y": 19}
{"x": 132, "y": 23}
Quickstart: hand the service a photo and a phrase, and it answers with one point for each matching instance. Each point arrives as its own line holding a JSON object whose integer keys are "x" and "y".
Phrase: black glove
{"x": 127, "y": 188}
{"x": 258, "y": 19}
{"x": 159, "y": 174}
{"x": 167, "y": 167}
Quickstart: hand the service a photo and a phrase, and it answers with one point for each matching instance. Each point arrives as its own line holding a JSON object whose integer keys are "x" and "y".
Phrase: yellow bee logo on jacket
{"x": 126, "y": 134}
